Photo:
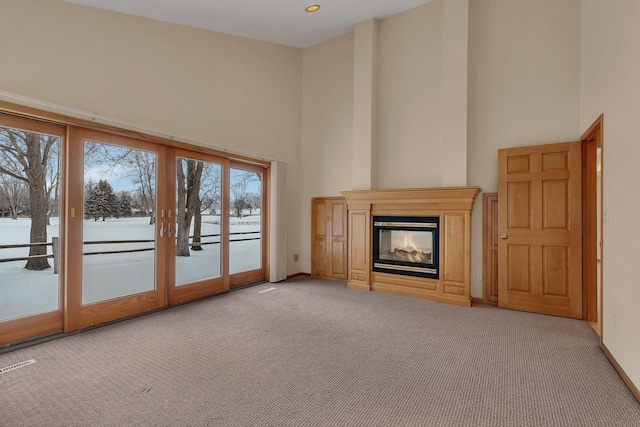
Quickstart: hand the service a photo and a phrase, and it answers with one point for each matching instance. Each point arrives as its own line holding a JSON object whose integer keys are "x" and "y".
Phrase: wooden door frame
{"x": 592, "y": 139}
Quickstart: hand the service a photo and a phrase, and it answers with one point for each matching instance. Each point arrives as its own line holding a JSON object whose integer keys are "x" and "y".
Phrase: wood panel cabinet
{"x": 329, "y": 237}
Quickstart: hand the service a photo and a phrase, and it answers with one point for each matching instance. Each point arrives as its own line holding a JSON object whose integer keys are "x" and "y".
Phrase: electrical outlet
{"x": 615, "y": 320}
{"x": 478, "y": 275}
{"x": 295, "y": 257}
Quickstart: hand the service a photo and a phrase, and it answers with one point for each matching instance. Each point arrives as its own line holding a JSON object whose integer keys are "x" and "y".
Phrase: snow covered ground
{"x": 109, "y": 276}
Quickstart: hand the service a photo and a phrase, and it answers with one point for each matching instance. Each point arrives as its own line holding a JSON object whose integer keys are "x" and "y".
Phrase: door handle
{"x": 503, "y": 236}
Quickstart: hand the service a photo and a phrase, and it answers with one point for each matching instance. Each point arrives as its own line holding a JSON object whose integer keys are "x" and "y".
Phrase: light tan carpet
{"x": 315, "y": 353}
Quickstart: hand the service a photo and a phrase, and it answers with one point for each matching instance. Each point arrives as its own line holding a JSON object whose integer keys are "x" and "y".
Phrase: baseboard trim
{"x": 476, "y": 300}
{"x": 297, "y": 275}
{"x": 632, "y": 387}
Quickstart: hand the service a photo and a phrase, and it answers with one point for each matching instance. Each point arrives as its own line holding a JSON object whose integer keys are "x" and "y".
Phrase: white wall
{"x": 365, "y": 103}
{"x": 219, "y": 90}
{"x": 409, "y": 150}
{"x": 327, "y": 128}
{"x": 610, "y": 85}
{"x": 524, "y": 88}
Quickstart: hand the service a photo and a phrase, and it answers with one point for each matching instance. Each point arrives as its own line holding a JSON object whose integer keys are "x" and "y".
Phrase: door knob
{"x": 503, "y": 236}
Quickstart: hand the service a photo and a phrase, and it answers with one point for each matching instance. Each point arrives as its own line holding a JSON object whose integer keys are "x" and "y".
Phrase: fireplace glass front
{"x": 406, "y": 245}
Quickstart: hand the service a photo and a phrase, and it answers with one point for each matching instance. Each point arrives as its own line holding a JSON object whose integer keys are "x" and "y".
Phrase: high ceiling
{"x": 278, "y": 21}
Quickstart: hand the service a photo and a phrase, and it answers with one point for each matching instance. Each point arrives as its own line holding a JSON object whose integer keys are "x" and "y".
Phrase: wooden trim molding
{"x": 16, "y": 330}
{"x": 437, "y": 198}
{"x": 632, "y": 387}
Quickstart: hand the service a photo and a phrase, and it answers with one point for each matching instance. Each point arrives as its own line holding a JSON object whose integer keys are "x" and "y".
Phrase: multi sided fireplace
{"x": 406, "y": 245}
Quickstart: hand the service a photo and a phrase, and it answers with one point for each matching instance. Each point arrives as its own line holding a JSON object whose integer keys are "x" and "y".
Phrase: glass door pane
{"x": 29, "y": 222}
{"x": 245, "y": 220}
{"x": 198, "y": 220}
{"x": 119, "y": 246}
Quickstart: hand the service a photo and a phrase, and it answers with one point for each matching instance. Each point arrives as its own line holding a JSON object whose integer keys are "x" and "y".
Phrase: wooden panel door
{"x": 490, "y": 245}
{"x": 539, "y": 222}
{"x": 329, "y": 237}
{"x": 338, "y": 248}
{"x": 319, "y": 250}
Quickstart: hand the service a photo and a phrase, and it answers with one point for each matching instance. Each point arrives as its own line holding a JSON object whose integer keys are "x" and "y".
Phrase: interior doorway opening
{"x": 592, "y": 221}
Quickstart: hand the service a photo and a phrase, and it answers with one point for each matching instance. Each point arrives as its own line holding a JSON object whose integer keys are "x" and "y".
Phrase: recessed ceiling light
{"x": 313, "y": 8}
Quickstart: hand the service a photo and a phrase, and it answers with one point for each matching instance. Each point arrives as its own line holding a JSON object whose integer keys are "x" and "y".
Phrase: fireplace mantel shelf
{"x": 452, "y": 205}
{"x": 414, "y": 195}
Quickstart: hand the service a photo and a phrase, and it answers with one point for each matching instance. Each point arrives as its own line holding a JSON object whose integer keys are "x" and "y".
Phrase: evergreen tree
{"x": 124, "y": 205}
{"x": 90, "y": 201}
{"x": 101, "y": 201}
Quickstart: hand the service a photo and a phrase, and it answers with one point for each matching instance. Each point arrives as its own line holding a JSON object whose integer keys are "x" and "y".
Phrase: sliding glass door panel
{"x": 245, "y": 220}
{"x": 196, "y": 257}
{"x": 31, "y": 191}
{"x": 198, "y": 220}
{"x": 117, "y": 228}
{"x": 119, "y": 222}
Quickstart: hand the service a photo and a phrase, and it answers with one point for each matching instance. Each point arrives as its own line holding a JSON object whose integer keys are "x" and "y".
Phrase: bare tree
{"x": 26, "y": 157}
{"x": 197, "y": 226}
{"x": 241, "y": 181}
{"x": 139, "y": 166}
{"x": 14, "y": 193}
{"x": 144, "y": 164}
{"x": 255, "y": 202}
{"x": 210, "y": 188}
{"x": 53, "y": 182}
{"x": 239, "y": 198}
{"x": 188, "y": 189}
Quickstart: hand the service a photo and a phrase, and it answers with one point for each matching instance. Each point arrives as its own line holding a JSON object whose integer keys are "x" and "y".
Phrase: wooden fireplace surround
{"x": 452, "y": 205}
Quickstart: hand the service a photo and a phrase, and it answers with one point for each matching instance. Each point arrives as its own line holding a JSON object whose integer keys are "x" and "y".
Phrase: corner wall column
{"x": 365, "y": 65}
{"x": 278, "y": 222}
{"x": 455, "y": 32}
